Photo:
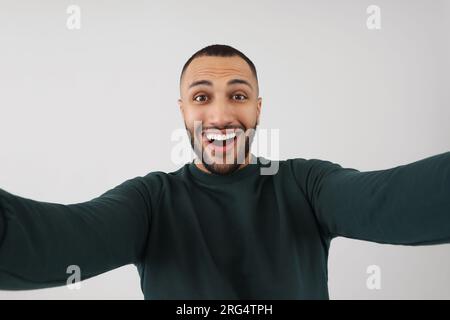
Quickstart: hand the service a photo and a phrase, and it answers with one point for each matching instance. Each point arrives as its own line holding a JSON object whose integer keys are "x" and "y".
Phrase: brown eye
{"x": 200, "y": 98}
{"x": 239, "y": 97}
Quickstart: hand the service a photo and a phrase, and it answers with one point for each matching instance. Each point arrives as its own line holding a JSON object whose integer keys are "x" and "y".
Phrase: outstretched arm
{"x": 40, "y": 240}
{"x": 408, "y": 204}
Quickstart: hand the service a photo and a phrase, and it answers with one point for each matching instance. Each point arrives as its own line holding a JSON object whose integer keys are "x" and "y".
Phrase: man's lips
{"x": 221, "y": 143}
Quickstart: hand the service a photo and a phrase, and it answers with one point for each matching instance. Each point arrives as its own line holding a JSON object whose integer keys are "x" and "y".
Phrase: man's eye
{"x": 200, "y": 98}
{"x": 239, "y": 97}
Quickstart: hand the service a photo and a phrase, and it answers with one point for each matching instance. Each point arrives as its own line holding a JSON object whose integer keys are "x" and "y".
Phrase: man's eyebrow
{"x": 209, "y": 83}
{"x": 240, "y": 81}
{"x": 200, "y": 82}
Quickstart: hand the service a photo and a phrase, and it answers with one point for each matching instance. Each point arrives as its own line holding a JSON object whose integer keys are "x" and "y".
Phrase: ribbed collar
{"x": 211, "y": 178}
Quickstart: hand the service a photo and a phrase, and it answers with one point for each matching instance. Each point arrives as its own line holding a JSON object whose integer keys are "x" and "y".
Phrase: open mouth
{"x": 220, "y": 142}
{"x": 220, "y": 139}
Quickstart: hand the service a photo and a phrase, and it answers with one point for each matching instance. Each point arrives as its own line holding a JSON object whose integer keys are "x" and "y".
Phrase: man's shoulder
{"x": 310, "y": 163}
{"x": 304, "y": 169}
{"x": 156, "y": 175}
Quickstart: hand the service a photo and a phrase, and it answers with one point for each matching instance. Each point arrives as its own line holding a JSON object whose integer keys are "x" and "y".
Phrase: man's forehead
{"x": 216, "y": 68}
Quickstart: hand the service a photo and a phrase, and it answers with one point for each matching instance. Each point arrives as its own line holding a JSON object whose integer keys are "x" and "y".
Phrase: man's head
{"x": 219, "y": 89}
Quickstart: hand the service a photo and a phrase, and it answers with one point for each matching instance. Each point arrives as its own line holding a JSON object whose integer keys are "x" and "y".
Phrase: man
{"x": 217, "y": 228}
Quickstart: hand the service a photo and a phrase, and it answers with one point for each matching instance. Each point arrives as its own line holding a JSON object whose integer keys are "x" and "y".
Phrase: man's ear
{"x": 180, "y": 105}
{"x": 258, "y": 110}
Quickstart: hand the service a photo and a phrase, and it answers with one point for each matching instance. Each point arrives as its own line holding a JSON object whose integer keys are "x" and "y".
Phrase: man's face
{"x": 221, "y": 94}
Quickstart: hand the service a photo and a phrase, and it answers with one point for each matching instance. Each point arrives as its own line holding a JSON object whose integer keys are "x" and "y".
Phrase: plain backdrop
{"x": 83, "y": 110}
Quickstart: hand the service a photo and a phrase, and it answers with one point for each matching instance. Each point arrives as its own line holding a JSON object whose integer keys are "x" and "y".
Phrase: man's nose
{"x": 220, "y": 114}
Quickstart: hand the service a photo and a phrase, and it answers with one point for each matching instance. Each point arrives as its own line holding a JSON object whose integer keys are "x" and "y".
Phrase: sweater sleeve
{"x": 406, "y": 205}
{"x": 40, "y": 240}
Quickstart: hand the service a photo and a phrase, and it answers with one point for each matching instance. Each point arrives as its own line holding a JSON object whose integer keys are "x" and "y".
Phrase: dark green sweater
{"x": 194, "y": 235}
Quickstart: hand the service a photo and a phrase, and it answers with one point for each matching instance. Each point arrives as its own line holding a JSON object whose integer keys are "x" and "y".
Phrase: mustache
{"x": 199, "y": 128}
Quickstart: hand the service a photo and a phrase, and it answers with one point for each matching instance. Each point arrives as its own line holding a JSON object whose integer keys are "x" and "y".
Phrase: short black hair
{"x": 219, "y": 50}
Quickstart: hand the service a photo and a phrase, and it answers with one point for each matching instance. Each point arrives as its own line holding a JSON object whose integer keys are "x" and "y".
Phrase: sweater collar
{"x": 211, "y": 178}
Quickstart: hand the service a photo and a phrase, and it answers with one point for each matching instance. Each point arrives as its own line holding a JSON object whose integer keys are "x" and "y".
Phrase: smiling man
{"x": 219, "y": 90}
{"x": 218, "y": 228}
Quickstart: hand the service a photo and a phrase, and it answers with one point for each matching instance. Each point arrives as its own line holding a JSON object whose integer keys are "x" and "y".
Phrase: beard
{"x": 222, "y": 167}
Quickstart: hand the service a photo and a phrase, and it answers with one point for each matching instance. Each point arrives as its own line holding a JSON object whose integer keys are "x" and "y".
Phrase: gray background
{"x": 83, "y": 110}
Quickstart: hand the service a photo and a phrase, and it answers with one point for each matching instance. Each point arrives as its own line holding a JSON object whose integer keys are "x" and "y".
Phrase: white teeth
{"x": 220, "y": 137}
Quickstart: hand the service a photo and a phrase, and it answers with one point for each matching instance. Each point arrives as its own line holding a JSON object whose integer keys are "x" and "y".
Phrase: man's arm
{"x": 40, "y": 240}
{"x": 408, "y": 204}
